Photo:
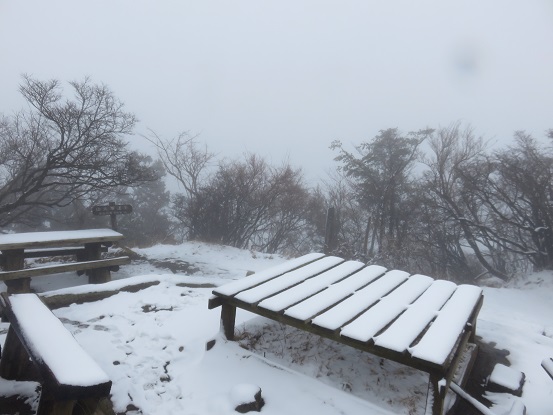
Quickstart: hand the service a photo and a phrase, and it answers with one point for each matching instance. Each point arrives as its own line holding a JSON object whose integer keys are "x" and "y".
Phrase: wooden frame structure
{"x": 411, "y": 319}
{"x": 86, "y": 245}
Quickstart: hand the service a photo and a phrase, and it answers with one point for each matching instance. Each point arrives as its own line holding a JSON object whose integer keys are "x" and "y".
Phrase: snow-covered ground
{"x": 152, "y": 344}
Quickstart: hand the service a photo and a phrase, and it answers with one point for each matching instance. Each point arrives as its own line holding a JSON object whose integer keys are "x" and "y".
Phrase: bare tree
{"x": 184, "y": 159}
{"x": 513, "y": 187}
{"x": 247, "y": 204}
{"x": 456, "y": 153}
{"x": 60, "y": 149}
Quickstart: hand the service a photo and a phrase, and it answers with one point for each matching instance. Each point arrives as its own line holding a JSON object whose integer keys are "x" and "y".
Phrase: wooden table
{"x": 86, "y": 245}
{"x": 411, "y": 319}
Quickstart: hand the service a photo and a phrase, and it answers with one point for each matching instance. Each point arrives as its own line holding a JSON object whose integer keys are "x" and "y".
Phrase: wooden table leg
{"x": 228, "y": 318}
{"x": 15, "y": 363}
{"x": 437, "y": 391}
{"x": 14, "y": 259}
{"x": 47, "y": 407}
{"x": 93, "y": 252}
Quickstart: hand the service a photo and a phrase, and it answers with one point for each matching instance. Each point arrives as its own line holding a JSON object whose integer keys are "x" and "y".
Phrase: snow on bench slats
{"x": 387, "y": 309}
{"x": 255, "y": 294}
{"x": 437, "y": 343}
{"x": 46, "y": 335}
{"x": 335, "y": 293}
{"x": 28, "y": 238}
{"x": 260, "y": 277}
{"x": 307, "y": 288}
{"x": 349, "y": 308}
{"x": 414, "y": 320}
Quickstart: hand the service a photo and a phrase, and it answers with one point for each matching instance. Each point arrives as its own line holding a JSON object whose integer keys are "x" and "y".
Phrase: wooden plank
{"x": 364, "y": 327}
{"x": 258, "y": 278}
{"x": 547, "y": 365}
{"x": 360, "y": 301}
{"x": 54, "y": 301}
{"x": 215, "y": 302}
{"x": 60, "y": 251}
{"x": 281, "y": 283}
{"x": 439, "y": 341}
{"x": 29, "y": 240}
{"x": 335, "y": 293}
{"x": 310, "y": 287}
{"x": 335, "y": 335}
{"x": 58, "y": 268}
{"x": 416, "y": 318}
{"x": 483, "y": 409}
{"x": 466, "y": 362}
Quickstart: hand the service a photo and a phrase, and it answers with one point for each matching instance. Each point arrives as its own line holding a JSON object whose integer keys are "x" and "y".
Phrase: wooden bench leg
{"x": 55, "y": 407}
{"x": 436, "y": 392}
{"x": 15, "y": 363}
{"x": 472, "y": 338}
{"x": 22, "y": 285}
{"x": 93, "y": 252}
{"x": 13, "y": 262}
{"x": 228, "y": 319}
{"x": 91, "y": 406}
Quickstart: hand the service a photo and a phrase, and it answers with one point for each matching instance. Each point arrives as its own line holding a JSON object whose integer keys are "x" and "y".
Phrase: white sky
{"x": 285, "y": 78}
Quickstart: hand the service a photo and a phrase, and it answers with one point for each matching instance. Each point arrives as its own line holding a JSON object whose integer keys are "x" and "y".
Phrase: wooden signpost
{"x": 112, "y": 210}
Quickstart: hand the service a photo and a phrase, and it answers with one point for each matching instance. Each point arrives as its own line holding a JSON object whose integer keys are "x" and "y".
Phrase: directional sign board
{"x": 114, "y": 209}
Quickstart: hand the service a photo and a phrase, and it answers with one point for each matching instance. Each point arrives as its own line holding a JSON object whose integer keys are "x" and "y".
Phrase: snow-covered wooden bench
{"x": 86, "y": 245}
{"x": 411, "y": 319}
{"x": 38, "y": 347}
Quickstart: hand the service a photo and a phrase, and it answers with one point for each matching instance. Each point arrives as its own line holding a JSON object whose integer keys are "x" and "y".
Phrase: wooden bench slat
{"x": 28, "y": 240}
{"x": 50, "y": 342}
{"x": 58, "y": 268}
{"x": 364, "y": 327}
{"x": 335, "y": 293}
{"x": 312, "y": 286}
{"x": 438, "y": 342}
{"x": 235, "y": 287}
{"x": 352, "y": 306}
{"x": 416, "y": 318}
{"x": 278, "y": 284}
{"x": 60, "y": 251}
{"x": 547, "y": 365}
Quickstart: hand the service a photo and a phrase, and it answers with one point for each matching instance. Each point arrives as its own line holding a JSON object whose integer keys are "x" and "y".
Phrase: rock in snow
{"x": 246, "y": 398}
{"x": 506, "y": 379}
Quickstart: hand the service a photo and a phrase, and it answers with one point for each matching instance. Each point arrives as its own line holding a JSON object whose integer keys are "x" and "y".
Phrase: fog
{"x": 285, "y": 79}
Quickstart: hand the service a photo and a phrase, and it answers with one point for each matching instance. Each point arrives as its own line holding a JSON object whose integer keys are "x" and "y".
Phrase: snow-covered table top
{"x": 412, "y": 319}
{"x": 47, "y": 338}
{"x": 27, "y": 240}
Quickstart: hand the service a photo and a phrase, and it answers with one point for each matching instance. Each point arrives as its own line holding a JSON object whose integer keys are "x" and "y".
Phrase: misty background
{"x": 426, "y": 127}
{"x": 285, "y": 79}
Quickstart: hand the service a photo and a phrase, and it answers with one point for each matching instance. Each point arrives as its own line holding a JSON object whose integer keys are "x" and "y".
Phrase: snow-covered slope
{"x": 152, "y": 345}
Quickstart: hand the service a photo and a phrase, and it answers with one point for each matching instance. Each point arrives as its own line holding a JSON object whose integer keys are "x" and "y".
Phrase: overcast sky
{"x": 286, "y": 78}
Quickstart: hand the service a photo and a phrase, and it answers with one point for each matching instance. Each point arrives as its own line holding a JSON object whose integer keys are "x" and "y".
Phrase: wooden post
{"x": 48, "y": 407}
{"x": 15, "y": 363}
{"x": 93, "y": 251}
{"x": 331, "y": 232}
{"x": 228, "y": 318}
{"x": 14, "y": 259}
{"x": 436, "y": 393}
{"x": 113, "y": 217}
